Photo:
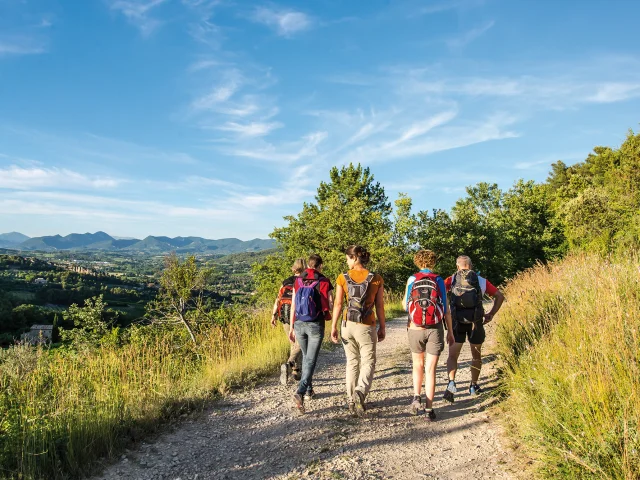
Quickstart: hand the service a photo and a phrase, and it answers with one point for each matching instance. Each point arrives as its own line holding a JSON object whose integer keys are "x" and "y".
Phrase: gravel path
{"x": 256, "y": 434}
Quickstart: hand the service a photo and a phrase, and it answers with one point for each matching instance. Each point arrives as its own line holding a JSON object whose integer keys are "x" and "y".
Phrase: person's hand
{"x": 273, "y": 320}
{"x": 450, "y": 338}
{"x": 334, "y": 335}
{"x": 488, "y": 317}
{"x": 381, "y": 334}
{"x": 292, "y": 336}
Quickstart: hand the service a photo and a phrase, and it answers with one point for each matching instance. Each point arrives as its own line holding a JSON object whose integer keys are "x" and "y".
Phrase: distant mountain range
{"x": 103, "y": 241}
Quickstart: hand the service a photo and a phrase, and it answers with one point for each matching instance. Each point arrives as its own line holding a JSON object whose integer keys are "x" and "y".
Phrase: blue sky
{"x": 217, "y": 118}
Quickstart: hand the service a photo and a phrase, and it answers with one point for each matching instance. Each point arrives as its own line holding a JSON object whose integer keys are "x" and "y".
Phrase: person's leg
{"x": 430, "y": 379}
{"x": 476, "y": 362}
{"x": 302, "y": 338}
{"x": 452, "y": 359}
{"x": 434, "y": 347}
{"x": 418, "y": 372}
{"x": 314, "y": 342}
{"x": 352, "y": 353}
{"x": 367, "y": 338}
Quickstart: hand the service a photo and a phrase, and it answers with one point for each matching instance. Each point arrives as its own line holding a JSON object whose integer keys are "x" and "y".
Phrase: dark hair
{"x": 314, "y": 261}
{"x": 359, "y": 252}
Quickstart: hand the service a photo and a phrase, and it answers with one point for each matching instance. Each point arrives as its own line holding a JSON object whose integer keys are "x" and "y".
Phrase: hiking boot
{"x": 475, "y": 389}
{"x": 298, "y": 402}
{"x": 285, "y": 371}
{"x": 431, "y": 415}
{"x": 415, "y": 406}
{"x": 358, "y": 400}
{"x": 451, "y": 389}
{"x": 310, "y": 394}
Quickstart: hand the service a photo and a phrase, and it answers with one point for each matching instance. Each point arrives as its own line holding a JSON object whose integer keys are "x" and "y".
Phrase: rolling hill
{"x": 151, "y": 244}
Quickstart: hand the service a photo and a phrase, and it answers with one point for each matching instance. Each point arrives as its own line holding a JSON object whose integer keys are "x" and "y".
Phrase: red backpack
{"x": 425, "y": 300}
{"x": 284, "y": 302}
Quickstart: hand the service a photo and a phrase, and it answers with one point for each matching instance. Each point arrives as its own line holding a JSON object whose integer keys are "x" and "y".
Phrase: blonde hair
{"x": 424, "y": 259}
{"x": 299, "y": 265}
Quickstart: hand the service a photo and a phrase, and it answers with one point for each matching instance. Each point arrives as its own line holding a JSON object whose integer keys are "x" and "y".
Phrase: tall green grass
{"x": 61, "y": 410}
{"x": 569, "y": 336}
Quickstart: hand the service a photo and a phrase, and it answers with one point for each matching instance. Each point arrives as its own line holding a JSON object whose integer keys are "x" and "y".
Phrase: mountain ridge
{"x": 102, "y": 241}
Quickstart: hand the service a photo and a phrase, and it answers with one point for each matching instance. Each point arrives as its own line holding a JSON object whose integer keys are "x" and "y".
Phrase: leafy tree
{"x": 181, "y": 295}
{"x": 351, "y": 208}
{"x": 92, "y": 322}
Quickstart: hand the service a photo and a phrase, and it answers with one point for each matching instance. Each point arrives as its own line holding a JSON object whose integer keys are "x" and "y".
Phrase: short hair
{"x": 299, "y": 265}
{"x": 424, "y": 259}
{"x": 314, "y": 261}
{"x": 358, "y": 252}
{"x": 465, "y": 260}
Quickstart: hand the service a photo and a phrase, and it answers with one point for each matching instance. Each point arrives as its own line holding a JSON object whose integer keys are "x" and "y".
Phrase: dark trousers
{"x": 309, "y": 335}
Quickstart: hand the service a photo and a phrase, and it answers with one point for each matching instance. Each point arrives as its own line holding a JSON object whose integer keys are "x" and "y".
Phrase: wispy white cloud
{"x": 615, "y": 92}
{"x": 289, "y": 152}
{"x": 286, "y": 23}
{"x": 469, "y": 36}
{"x": 18, "y": 178}
{"x": 138, "y": 13}
{"x": 21, "y": 45}
{"x": 252, "y": 129}
{"x": 439, "y": 7}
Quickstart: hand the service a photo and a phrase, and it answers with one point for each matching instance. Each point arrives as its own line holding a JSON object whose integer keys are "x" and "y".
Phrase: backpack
{"x": 425, "y": 300}
{"x": 308, "y": 306}
{"x": 284, "y": 302}
{"x": 356, "y": 293}
{"x": 465, "y": 297}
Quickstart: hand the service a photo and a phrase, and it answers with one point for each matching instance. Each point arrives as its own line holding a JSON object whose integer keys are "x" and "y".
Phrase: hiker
{"x": 466, "y": 289}
{"x": 425, "y": 301}
{"x": 310, "y": 307}
{"x": 282, "y": 313}
{"x": 365, "y": 293}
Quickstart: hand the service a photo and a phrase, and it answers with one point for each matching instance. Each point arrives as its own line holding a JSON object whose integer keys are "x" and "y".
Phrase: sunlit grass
{"x": 569, "y": 336}
{"x": 59, "y": 411}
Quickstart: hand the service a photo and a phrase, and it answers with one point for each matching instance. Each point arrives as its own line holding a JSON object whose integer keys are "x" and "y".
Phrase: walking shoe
{"x": 431, "y": 415}
{"x": 298, "y": 402}
{"x": 310, "y": 394}
{"x": 451, "y": 389}
{"x": 352, "y": 408}
{"x": 475, "y": 389}
{"x": 285, "y": 370}
{"x": 358, "y": 399}
{"x": 415, "y": 406}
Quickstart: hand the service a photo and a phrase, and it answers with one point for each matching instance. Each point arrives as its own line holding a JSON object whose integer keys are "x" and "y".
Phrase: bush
{"x": 570, "y": 339}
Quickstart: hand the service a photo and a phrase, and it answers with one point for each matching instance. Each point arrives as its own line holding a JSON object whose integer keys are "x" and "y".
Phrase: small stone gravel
{"x": 256, "y": 434}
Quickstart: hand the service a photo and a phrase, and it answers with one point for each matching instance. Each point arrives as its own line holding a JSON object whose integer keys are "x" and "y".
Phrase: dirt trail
{"x": 256, "y": 435}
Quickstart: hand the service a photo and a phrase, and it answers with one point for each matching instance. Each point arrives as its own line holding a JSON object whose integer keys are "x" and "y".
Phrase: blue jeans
{"x": 309, "y": 336}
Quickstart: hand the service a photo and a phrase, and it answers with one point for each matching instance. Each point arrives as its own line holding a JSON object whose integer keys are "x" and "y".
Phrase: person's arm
{"x": 274, "y": 312}
{"x": 447, "y": 317}
{"x": 498, "y": 299}
{"x": 337, "y": 310}
{"x": 380, "y": 313}
{"x": 292, "y": 318}
{"x": 405, "y": 301}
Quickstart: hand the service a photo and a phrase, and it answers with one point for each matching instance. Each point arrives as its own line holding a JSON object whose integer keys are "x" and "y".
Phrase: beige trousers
{"x": 359, "y": 343}
{"x": 295, "y": 354}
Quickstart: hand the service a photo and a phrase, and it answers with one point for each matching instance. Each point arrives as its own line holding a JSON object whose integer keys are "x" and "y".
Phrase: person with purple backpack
{"x": 311, "y": 305}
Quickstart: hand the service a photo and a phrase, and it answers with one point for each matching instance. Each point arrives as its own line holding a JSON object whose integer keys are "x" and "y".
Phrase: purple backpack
{"x": 307, "y": 309}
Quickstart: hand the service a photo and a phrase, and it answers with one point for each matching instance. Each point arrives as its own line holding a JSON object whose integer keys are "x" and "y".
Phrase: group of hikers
{"x": 306, "y": 301}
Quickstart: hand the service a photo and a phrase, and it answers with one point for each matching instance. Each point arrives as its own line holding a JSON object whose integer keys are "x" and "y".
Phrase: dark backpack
{"x": 285, "y": 296}
{"x": 308, "y": 305}
{"x": 356, "y": 293}
{"x": 425, "y": 300}
{"x": 465, "y": 297}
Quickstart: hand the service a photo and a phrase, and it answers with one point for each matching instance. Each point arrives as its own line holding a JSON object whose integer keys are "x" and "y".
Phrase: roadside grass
{"x": 62, "y": 410}
{"x": 569, "y": 338}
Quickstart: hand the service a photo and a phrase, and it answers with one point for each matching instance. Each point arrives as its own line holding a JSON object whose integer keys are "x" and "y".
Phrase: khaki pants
{"x": 359, "y": 343}
{"x": 295, "y": 354}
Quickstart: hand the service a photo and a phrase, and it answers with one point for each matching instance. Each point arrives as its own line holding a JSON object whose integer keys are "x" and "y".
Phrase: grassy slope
{"x": 570, "y": 339}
